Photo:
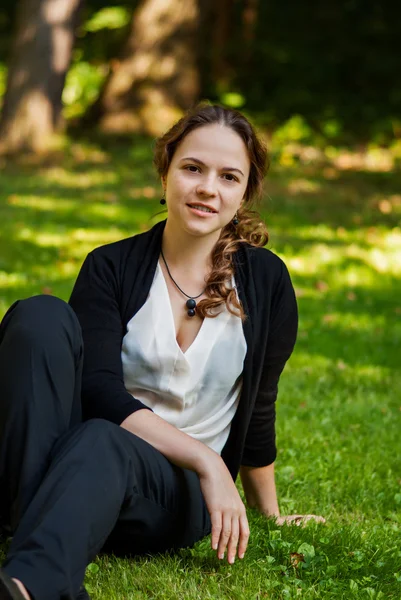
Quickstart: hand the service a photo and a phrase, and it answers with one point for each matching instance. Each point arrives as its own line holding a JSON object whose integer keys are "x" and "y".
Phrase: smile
{"x": 202, "y": 208}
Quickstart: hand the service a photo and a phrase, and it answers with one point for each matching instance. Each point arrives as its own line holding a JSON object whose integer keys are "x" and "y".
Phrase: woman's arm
{"x": 260, "y": 489}
{"x": 95, "y": 300}
{"x": 260, "y": 493}
{"x": 281, "y": 323}
{"x": 227, "y": 511}
{"x": 180, "y": 448}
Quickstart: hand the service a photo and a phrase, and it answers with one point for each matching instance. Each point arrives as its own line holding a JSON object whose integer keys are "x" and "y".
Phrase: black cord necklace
{"x": 191, "y": 302}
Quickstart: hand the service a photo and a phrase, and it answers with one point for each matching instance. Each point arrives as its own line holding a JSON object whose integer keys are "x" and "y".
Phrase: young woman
{"x": 175, "y": 340}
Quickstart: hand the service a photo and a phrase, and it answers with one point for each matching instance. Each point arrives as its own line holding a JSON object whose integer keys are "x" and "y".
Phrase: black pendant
{"x": 191, "y": 312}
{"x": 191, "y": 303}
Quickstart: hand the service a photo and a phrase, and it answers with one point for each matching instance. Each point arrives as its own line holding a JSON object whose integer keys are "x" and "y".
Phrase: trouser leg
{"x": 40, "y": 379}
{"x": 102, "y": 480}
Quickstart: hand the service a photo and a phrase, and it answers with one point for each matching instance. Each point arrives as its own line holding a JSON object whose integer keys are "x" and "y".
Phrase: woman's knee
{"x": 39, "y": 317}
{"x": 98, "y": 427}
{"x": 42, "y": 304}
{"x": 83, "y": 439}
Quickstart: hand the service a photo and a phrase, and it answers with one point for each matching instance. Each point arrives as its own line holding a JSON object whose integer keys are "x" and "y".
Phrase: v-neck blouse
{"x": 198, "y": 390}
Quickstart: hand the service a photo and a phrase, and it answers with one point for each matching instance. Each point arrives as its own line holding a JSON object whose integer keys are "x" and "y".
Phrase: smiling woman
{"x": 128, "y": 414}
{"x": 212, "y": 166}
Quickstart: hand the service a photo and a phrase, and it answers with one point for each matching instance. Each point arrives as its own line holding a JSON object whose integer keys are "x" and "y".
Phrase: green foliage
{"x": 3, "y": 80}
{"x": 100, "y": 38}
{"x": 336, "y": 222}
{"x": 110, "y": 17}
{"x": 295, "y": 129}
{"x": 332, "y": 65}
{"x": 232, "y": 99}
{"x": 83, "y": 83}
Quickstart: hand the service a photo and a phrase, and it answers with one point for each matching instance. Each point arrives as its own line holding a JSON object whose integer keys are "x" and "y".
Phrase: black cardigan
{"x": 114, "y": 283}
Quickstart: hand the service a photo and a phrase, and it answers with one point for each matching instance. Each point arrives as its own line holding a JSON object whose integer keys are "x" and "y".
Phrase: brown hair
{"x": 251, "y": 228}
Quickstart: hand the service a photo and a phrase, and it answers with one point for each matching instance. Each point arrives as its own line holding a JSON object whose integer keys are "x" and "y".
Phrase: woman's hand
{"x": 299, "y": 519}
{"x": 227, "y": 512}
{"x": 230, "y": 529}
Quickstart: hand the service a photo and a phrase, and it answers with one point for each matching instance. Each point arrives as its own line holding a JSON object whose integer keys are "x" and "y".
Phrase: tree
{"x": 157, "y": 75}
{"x": 40, "y": 58}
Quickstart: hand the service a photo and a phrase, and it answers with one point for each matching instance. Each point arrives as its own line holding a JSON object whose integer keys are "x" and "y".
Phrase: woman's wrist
{"x": 260, "y": 489}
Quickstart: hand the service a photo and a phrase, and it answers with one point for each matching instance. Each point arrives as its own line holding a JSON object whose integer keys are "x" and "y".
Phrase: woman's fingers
{"x": 299, "y": 519}
{"x": 216, "y": 520}
{"x": 230, "y": 533}
{"x": 244, "y": 535}
{"x": 233, "y": 541}
{"x": 225, "y": 535}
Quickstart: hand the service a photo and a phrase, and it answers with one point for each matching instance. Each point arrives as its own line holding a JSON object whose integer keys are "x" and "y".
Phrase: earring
{"x": 235, "y": 219}
{"x": 163, "y": 201}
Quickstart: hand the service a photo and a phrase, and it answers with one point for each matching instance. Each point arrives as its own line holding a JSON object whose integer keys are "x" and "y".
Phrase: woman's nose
{"x": 208, "y": 186}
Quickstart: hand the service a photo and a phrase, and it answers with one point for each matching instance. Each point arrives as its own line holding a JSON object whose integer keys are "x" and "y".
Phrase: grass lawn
{"x": 339, "y": 409}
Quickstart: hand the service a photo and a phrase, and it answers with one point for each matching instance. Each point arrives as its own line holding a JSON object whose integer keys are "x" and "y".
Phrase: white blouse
{"x": 198, "y": 390}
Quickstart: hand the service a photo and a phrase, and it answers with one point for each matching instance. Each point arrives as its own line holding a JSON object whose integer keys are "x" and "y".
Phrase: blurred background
{"x": 85, "y": 87}
{"x": 312, "y": 72}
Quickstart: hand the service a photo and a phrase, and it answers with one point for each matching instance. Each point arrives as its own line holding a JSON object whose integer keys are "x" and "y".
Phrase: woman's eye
{"x": 192, "y": 168}
{"x": 230, "y": 177}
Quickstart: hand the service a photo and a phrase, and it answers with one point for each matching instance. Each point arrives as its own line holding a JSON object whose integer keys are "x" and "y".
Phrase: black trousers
{"x": 67, "y": 488}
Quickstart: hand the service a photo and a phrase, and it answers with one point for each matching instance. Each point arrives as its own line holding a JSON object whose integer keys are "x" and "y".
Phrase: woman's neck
{"x": 186, "y": 251}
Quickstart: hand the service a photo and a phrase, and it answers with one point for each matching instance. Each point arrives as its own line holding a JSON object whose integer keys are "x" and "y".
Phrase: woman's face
{"x": 206, "y": 180}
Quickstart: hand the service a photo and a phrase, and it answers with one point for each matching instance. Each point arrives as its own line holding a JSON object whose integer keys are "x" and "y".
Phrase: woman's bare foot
{"x": 22, "y": 588}
{"x": 11, "y": 589}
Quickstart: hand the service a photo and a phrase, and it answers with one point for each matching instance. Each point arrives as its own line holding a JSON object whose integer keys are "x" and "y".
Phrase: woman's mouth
{"x": 202, "y": 208}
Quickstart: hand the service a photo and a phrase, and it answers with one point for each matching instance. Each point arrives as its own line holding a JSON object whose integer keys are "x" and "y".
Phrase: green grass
{"x": 339, "y": 408}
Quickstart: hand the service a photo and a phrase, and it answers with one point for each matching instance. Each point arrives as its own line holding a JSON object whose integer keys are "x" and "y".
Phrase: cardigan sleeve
{"x": 260, "y": 444}
{"x": 95, "y": 301}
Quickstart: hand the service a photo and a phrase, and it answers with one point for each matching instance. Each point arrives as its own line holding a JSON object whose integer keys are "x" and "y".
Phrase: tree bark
{"x": 157, "y": 76}
{"x": 40, "y": 59}
{"x": 222, "y": 31}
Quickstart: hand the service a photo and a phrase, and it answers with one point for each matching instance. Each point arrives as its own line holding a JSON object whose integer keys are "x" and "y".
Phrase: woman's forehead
{"x": 214, "y": 142}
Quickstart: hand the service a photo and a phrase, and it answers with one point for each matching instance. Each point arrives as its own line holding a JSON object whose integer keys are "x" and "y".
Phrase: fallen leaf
{"x": 351, "y": 296}
{"x": 47, "y": 290}
{"x": 296, "y": 558}
{"x": 341, "y": 365}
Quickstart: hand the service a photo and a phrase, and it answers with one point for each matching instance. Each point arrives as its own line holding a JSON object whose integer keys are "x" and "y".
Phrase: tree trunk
{"x": 249, "y": 21}
{"x": 222, "y": 31}
{"x": 157, "y": 76}
{"x": 40, "y": 59}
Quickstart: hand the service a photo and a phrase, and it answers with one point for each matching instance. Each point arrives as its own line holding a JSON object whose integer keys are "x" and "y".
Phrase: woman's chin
{"x": 200, "y": 229}
{"x": 197, "y": 227}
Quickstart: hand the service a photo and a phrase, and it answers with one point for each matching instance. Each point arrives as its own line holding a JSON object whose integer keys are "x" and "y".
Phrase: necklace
{"x": 191, "y": 302}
